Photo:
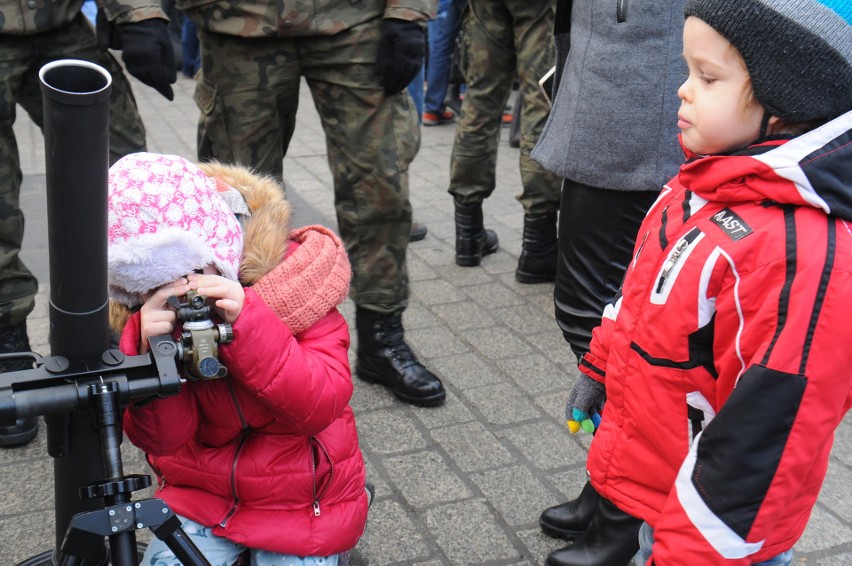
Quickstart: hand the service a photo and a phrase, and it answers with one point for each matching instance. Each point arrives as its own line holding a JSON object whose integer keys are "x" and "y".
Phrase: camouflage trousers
{"x": 21, "y": 57}
{"x": 248, "y": 94}
{"x": 503, "y": 39}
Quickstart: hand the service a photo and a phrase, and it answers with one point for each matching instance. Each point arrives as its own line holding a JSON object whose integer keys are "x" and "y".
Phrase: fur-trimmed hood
{"x": 301, "y": 274}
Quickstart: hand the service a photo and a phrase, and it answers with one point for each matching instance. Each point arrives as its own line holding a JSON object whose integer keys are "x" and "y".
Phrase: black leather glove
{"x": 400, "y": 57}
{"x": 146, "y": 50}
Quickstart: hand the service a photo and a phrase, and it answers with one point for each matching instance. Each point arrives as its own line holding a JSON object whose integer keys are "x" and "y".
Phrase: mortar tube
{"x": 75, "y": 97}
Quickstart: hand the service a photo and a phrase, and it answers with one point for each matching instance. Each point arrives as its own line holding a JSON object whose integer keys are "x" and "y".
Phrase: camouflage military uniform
{"x": 502, "y": 39}
{"x": 252, "y": 61}
{"x": 29, "y": 38}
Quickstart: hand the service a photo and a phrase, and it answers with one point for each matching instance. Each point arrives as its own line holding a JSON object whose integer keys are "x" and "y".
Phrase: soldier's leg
{"x": 533, "y": 29}
{"x": 489, "y": 67}
{"x": 18, "y": 286}
{"x": 248, "y": 93}
{"x": 488, "y": 57}
{"x": 77, "y": 41}
{"x": 372, "y": 138}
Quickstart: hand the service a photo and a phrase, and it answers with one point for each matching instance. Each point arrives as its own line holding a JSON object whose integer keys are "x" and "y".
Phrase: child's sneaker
{"x": 438, "y": 118}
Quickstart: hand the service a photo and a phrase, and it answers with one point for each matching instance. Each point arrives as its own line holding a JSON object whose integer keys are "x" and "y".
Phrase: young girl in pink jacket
{"x": 265, "y": 458}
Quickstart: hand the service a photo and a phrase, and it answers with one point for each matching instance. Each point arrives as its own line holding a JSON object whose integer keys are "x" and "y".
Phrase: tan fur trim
{"x": 118, "y": 316}
{"x": 269, "y": 226}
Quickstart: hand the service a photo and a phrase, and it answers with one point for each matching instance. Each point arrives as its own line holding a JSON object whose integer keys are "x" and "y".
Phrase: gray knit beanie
{"x": 798, "y": 52}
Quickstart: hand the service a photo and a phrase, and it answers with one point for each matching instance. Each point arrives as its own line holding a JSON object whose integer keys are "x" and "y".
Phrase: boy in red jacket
{"x": 725, "y": 358}
{"x": 265, "y": 458}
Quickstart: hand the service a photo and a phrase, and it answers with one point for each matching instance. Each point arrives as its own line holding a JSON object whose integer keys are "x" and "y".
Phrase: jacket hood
{"x": 300, "y": 274}
{"x": 266, "y": 227}
{"x": 813, "y": 169}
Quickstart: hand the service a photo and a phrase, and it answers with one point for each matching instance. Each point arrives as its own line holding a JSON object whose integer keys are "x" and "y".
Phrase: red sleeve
{"x": 158, "y": 426}
{"x": 304, "y": 379}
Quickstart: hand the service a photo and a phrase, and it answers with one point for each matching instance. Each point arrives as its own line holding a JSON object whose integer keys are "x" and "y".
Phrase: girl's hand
{"x": 157, "y": 316}
{"x": 230, "y": 295}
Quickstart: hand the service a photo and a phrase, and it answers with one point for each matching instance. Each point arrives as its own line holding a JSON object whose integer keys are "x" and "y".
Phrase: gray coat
{"x": 613, "y": 124}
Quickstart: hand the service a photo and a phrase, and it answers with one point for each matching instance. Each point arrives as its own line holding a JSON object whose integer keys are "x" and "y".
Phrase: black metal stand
{"x": 120, "y": 517}
{"x": 58, "y": 387}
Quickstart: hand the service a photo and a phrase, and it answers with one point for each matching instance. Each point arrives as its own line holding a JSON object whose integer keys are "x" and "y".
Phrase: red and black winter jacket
{"x": 727, "y": 356}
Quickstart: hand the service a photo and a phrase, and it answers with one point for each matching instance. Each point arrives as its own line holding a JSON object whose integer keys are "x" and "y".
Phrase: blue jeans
{"x": 415, "y": 89}
{"x": 190, "y": 47}
{"x": 442, "y": 36}
{"x": 220, "y": 551}
{"x": 646, "y": 541}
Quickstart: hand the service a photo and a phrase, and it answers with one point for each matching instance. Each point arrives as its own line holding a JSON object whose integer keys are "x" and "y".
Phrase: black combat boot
{"x": 612, "y": 539}
{"x": 385, "y": 358}
{"x": 472, "y": 239}
{"x": 14, "y": 339}
{"x": 537, "y": 263}
{"x": 570, "y": 520}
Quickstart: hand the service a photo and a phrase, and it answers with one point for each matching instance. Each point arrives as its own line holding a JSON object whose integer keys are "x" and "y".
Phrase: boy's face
{"x": 716, "y": 113}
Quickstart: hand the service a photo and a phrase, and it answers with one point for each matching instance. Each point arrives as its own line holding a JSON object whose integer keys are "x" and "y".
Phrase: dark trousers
{"x": 597, "y": 232}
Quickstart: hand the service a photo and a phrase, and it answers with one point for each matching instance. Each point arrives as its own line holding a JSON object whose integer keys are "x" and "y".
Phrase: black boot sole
{"x": 562, "y": 534}
{"x": 533, "y": 278}
{"x": 430, "y": 401}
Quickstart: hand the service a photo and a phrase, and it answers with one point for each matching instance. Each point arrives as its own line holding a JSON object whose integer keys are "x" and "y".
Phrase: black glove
{"x": 400, "y": 57}
{"x": 146, "y": 50}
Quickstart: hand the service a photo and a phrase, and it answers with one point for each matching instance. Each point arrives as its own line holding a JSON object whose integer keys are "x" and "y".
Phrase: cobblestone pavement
{"x": 460, "y": 484}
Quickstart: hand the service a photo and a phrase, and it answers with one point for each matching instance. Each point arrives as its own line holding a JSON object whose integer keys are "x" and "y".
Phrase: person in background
{"x": 613, "y": 170}
{"x": 502, "y": 40}
{"x": 264, "y": 459}
{"x": 357, "y": 61}
{"x": 442, "y": 32}
{"x": 189, "y": 43}
{"x": 725, "y": 356}
{"x": 31, "y": 35}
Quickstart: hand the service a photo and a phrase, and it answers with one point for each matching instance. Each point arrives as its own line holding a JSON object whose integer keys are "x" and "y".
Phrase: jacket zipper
{"x": 233, "y": 479}
{"x": 679, "y": 248}
{"x": 314, "y": 441}
{"x": 243, "y": 437}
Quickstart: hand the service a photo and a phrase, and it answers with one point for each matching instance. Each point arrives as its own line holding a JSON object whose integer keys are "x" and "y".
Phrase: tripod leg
{"x": 171, "y": 533}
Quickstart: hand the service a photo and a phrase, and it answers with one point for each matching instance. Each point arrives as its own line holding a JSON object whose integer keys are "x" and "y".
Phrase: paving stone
{"x": 406, "y": 544}
{"x": 472, "y": 447}
{"x": 468, "y": 534}
{"x": 464, "y": 316}
{"x": 503, "y": 403}
{"x": 437, "y": 291}
{"x": 467, "y": 371}
{"x": 545, "y": 444}
{"x": 424, "y": 479}
{"x": 824, "y": 531}
{"x": 389, "y": 432}
{"x": 523, "y": 501}
{"x": 453, "y": 411}
{"x": 534, "y": 373}
{"x": 496, "y": 343}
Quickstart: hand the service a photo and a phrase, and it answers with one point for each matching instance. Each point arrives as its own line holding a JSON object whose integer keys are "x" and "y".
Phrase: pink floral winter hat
{"x": 166, "y": 219}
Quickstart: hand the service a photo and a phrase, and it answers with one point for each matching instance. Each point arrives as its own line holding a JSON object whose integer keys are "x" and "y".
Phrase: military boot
{"x": 472, "y": 239}
{"x": 14, "y": 339}
{"x": 385, "y": 358}
{"x": 537, "y": 263}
